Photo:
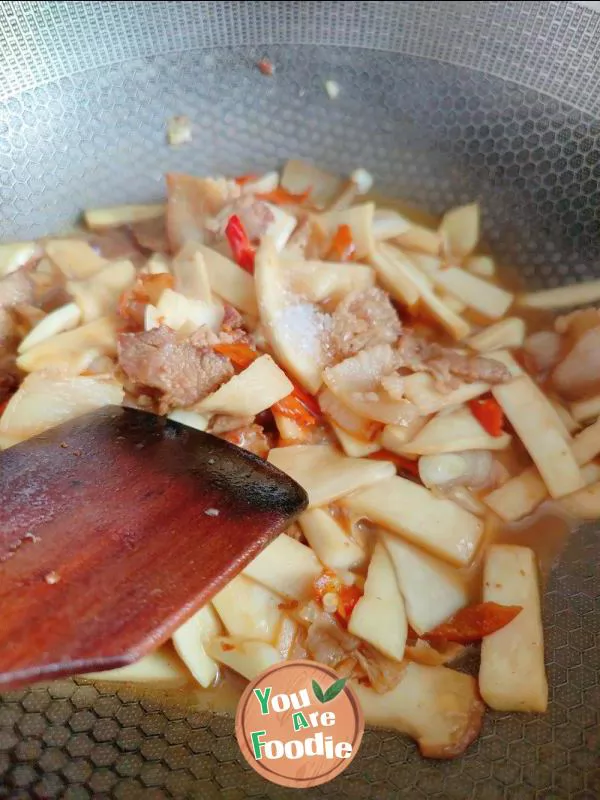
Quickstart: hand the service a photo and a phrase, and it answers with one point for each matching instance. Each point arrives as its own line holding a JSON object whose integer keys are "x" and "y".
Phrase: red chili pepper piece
{"x": 342, "y": 247}
{"x": 489, "y": 414}
{"x": 266, "y": 66}
{"x": 411, "y": 634}
{"x": 300, "y": 406}
{"x": 472, "y": 623}
{"x": 281, "y": 196}
{"x": 243, "y": 252}
{"x": 288, "y": 605}
{"x": 241, "y": 355}
{"x": 294, "y": 408}
{"x": 307, "y": 400}
{"x": 348, "y": 598}
{"x": 326, "y": 582}
{"x": 242, "y": 179}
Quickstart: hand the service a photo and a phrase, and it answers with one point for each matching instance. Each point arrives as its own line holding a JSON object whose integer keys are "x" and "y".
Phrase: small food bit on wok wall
{"x": 432, "y": 414}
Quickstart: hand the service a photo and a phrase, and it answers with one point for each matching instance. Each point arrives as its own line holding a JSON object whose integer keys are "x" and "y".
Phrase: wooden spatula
{"x": 114, "y": 529}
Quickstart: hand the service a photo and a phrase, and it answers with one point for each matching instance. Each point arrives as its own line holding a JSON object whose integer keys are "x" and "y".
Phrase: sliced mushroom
{"x": 438, "y": 707}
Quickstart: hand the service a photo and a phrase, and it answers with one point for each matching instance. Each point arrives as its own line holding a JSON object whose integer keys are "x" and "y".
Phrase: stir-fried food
{"x": 426, "y": 409}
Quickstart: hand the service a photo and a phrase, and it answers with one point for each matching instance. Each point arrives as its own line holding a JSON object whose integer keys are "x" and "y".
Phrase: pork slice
{"x": 181, "y": 373}
{"x": 448, "y": 366}
{"x": 232, "y": 327}
{"x": 204, "y": 338}
{"x": 439, "y": 369}
{"x": 412, "y": 352}
{"x": 255, "y": 216}
{"x": 361, "y": 320}
{"x": 192, "y": 203}
{"x": 471, "y": 369}
{"x": 230, "y": 332}
{"x": 232, "y": 319}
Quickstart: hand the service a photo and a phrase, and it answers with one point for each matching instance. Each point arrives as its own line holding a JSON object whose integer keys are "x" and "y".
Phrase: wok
{"x": 444, "y": 103}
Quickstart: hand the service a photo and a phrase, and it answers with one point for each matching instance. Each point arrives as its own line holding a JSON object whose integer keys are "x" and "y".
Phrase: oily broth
{"x": 222, "y": 698}
{"x": 546, "y": 532}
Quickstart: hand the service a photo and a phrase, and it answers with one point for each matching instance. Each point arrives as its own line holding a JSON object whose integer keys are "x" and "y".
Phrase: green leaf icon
{"x": 335, "y": 688}
{"x": 333, "y": 691}
{"x": 318, "y": 692}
